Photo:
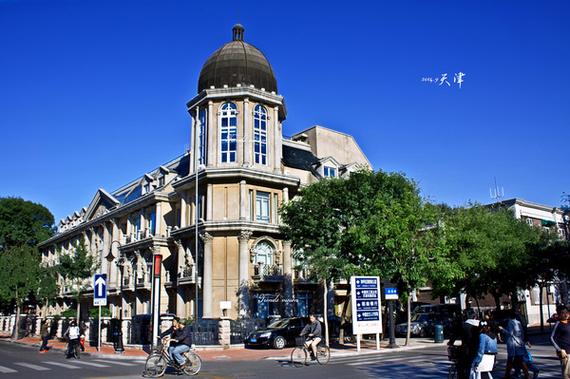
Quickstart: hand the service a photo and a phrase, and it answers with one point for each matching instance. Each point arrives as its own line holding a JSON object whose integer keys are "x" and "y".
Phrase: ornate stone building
{"x": 226, "y": 191}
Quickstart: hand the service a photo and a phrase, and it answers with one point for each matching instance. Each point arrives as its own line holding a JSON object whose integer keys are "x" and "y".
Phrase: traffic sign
{"x": 100, "y": 290}
{"x": 390, "y": 293}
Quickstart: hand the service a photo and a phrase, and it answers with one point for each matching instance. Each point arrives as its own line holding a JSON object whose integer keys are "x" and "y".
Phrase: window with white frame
{"x": 263, "y": 253}
{"x": 329, "y": 172}
{"x": 262, "y": 206}
{"x": 228, "y": 133}
{"x": 202, "y": 136}
{"x": 260, "y": 134}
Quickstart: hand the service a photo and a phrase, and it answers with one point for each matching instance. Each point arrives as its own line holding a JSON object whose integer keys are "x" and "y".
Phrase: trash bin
{"x": 438, "y": 334}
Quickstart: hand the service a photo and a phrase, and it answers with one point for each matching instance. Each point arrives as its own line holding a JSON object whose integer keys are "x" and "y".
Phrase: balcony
{"x": 144, "y": 282}
{"x": 187, "y": 276}
{"x": 128, "y": 283}
{"x": 135, "y": 237}
{"x": 267, "y": 273}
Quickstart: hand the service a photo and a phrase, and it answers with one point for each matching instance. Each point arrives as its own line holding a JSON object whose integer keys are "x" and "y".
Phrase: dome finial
{"x": 237, "y": 32}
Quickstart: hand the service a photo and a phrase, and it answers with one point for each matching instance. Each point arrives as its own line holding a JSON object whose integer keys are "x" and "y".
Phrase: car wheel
{"x": 279, "y": 342}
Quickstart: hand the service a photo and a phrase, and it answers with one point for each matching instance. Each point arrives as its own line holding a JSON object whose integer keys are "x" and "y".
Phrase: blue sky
{"x": 85, "y": 86}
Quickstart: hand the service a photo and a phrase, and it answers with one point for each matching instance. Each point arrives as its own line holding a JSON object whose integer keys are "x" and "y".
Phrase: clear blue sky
{"x": 86, "y": 86}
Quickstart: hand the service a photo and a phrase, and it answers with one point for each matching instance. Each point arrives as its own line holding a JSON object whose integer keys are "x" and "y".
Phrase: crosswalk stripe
{"x": 90, "y": 364}
{"x": 65, "y": 365}
{"x": 6, "y": 370}
{"x": 32, "y": 366}
{"x": 116, "y": 362}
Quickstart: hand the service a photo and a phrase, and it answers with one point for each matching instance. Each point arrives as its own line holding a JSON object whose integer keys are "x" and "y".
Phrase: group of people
{"x": 478, "y": 350}
{"x": 74, "y": 335}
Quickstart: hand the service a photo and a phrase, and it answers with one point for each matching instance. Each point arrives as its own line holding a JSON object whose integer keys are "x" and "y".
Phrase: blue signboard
{"x": 100, "y": 290}
{"x": 390, "y": 293}
{"x": 366, "y": 298}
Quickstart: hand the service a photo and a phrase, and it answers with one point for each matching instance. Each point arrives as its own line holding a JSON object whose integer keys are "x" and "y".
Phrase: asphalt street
{"x": 23, "y": 362}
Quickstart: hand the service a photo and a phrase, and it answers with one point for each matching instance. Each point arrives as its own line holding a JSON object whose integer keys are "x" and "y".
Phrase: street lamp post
{"x": 119, "y": 349}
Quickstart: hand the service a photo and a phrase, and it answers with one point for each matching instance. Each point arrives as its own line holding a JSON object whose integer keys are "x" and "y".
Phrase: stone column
{"x": 247, "y": 145}
{"x": 210, "y": 202}
{"x": 243, "y": 239}
{"x": 195, "y": 122}
{"x": 60, "y": 331}
{"x": 224, "y": 333}
{"x": 212, "y": 128}
{"x": 242, "y": 200}
{"x": 285, "y": 195}
{"x": 158, "y": 220}
{"x": 276, "y": 141}
{"x": 207, "y": 288}
{"x": 288, "y": 277}
{"x": 183, "y": 210}
{"x": 114, "y": 279}
{"x": 180, "y": 302}
{"x": 39, "y": 321}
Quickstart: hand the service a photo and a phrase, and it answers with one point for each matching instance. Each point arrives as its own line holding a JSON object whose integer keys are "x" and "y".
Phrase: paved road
{"x": 24, "y": 362}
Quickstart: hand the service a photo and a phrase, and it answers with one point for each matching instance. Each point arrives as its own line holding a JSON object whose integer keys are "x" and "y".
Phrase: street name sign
{"x": 100, "y": 290}
{"x": 390, "y": 293}
{"x": 366, "y": 311}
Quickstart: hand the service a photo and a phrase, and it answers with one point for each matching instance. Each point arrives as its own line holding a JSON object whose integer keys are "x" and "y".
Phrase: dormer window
{"x": 161, "y": 181}
{"x": 329, "y": 172}
{"x": 146, "y": 188}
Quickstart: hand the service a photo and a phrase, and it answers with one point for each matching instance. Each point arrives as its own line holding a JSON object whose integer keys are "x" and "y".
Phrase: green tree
{"x": 367, "y": 224}
{"x": 76, "y": 268}
{"x": 23, "y": 223}
{"x": 19, "y": 277}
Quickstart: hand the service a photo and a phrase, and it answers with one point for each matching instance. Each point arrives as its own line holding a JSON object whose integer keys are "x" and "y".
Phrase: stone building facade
{"x": 212, "y": 213}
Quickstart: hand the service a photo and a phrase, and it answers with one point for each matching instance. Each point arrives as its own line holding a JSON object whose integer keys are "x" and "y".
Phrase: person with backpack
{"x": 72, "y": 333}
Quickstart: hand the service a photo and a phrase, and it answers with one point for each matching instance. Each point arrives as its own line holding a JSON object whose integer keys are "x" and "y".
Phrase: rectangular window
{"x": 152, "y": 222}
{"x": 262, "y": 206}
{"x": 330, "y": 172}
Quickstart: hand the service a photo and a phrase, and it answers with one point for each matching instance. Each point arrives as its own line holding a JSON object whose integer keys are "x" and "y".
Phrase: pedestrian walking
{"x": 44, "y": 334}
{"x": 560, "y": 338}
{"x": 516, "y": 350}
{"x": 484, "y": 361}
{"x": 469, "y": 334}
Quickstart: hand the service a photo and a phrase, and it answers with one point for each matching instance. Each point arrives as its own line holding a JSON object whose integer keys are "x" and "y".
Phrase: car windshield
{"x": 278, "y": 324}
{"x": 421, "y": 317}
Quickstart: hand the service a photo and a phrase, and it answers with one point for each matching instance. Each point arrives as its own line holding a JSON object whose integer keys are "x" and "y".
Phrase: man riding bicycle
{"x": 314, "y": 335}
{"x": 180, "y": 340}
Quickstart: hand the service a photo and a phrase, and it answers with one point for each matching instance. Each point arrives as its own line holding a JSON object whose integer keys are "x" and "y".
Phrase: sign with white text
{"x": 100, "y": 290}
{"x": 366, "y": 311}
{"x": 390, "y": 293}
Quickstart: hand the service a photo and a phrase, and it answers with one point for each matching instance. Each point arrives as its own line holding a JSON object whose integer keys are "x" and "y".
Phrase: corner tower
{"x": 237, "y": 114}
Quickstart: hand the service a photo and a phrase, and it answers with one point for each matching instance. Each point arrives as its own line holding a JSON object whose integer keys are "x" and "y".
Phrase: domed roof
{"x": 237, "y": 62}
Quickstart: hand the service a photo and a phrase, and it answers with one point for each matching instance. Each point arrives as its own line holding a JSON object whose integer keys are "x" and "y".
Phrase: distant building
{"x": 246, "y": 169}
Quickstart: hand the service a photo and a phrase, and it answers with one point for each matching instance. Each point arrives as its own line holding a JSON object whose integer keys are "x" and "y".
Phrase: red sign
{"x": 157, "y": 265}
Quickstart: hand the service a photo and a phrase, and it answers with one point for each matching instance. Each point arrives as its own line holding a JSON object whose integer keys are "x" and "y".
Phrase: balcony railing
{"x": 267, "y": 272}
{"x": 138, "y": 236}
{"x": 187, "y": 275}
{"x": 143, "y": 281}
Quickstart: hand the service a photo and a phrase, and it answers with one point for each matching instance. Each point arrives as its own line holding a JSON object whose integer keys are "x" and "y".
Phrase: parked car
{"x": 279, "y": 334}
{"x": 421, "y": 325}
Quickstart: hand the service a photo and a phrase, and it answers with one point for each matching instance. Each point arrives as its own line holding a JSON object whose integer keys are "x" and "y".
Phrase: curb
{"x": 384, "y": 350}
{"x": 94, "y": 354}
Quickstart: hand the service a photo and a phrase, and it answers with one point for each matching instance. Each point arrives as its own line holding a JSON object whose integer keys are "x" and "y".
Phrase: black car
{"x": 279, "y": 334}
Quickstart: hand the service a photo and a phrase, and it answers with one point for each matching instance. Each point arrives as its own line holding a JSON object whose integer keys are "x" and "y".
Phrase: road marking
{"x": 33, "y": 367}
{"x": 116, "y": 363}
{"x": 90, "y": 364}
{"x": 65, "y": 365}
{"x": 6, "y": 370}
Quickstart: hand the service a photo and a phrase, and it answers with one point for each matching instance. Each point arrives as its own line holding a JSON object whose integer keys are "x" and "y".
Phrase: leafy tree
{"x": 367, "y": 224}
{"x": 23, "y": 223}
{"x": 76, "y": 268}
{"x": 19, "y": 277}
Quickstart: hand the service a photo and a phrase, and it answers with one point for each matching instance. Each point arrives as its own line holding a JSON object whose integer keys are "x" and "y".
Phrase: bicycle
{"x": 157, "y": 362}
{"x": 453, "y": 353}
{"x": 72, "y": 350}
{"x": 300, "y": 353}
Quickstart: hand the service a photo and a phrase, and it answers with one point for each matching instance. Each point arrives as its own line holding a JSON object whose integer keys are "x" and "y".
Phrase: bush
{"x": 94, "y": 312}
{"x": 70, "y": 313}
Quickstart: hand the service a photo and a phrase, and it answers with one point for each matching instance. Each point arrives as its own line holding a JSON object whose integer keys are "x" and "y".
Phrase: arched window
{"x": 228, "y": 132}
{"x": 260, "y": 134}
{"x": 263, "y": 254}
{"x": 202, "y": 136}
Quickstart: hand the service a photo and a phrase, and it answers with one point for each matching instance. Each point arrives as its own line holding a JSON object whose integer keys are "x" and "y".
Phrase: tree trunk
{"x": 325, "y": 311}
{"x": 497, "y": 298}
{"x": 15, "y": 332}
{"x": 409, "y": 316}
{"x": 78, "y": 309}
{"x": 478, "y": 306}
{"x": 343, "y": 316}
{"x": 540, "y": 288}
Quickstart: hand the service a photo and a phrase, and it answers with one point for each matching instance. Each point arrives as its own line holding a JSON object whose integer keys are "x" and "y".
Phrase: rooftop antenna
{"x": 496, "y": 192}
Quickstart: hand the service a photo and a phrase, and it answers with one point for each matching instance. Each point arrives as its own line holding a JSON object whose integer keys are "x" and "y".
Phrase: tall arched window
{"x": 202, "y": 136}
{"x": 260, "y": 134}
{"x": 228, "y": 132}
{"x": 263, "y": 254}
